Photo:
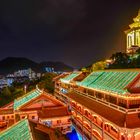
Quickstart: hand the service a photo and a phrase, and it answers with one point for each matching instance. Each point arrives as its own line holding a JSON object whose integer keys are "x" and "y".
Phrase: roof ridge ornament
{"x": 41, "y": 91}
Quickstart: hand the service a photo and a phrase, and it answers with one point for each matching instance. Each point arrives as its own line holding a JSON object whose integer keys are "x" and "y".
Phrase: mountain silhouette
{"x": 12, "y": 64}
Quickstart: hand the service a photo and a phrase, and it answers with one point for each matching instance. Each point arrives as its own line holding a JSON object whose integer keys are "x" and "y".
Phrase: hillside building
{"x": 105, "y": 105}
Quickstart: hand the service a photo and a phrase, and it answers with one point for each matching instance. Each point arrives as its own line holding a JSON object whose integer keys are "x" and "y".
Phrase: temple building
{"x": 105, "y": 104}
{"x": 36, "y": 106}
{"x": 133, "y": 35}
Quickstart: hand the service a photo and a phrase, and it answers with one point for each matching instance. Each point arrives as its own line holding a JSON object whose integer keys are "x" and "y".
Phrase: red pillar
{"x": 127, "y": 103}
{"x": 103, "y": 127}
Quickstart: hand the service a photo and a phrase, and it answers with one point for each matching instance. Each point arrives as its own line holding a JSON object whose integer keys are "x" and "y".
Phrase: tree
{"x": 120, "y": 60}
{"x": 85, "y": 69}
{"x": 46, "y": 82}
{"x": 138, "y": 62}
{"x": 101, "y": 65}
{"x": 138, "y": 51}
{"x": 6, "y": 92}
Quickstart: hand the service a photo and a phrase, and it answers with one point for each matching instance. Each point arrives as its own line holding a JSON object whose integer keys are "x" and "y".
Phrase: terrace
{"x": 105, "y": 111}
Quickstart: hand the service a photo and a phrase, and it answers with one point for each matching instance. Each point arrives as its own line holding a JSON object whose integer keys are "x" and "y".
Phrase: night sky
{"x": 77, "y": 32}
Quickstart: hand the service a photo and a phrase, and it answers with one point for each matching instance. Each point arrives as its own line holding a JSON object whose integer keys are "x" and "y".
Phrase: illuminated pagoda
{"x": 38, "y": 107}
{"x": 105, "y": 104}
{"x": 133, "y": 35}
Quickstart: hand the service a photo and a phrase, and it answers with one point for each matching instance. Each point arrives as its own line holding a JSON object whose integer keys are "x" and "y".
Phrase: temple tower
{"x": 133, "y": 35}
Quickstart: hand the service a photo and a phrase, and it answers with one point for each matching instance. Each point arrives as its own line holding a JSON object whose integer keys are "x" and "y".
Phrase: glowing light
{"x": 111, "y": 125}
{"x": 94, "y": 130}
{"x": 132, "y": 34}
{"x": 137, "y": 133}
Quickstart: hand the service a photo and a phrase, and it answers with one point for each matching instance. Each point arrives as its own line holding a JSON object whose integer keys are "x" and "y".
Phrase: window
{"x": 69, "y": 120}
{"x": 3, "y": 117}
{"x": 58, "y": 121}
{"x": 114, "y": 129}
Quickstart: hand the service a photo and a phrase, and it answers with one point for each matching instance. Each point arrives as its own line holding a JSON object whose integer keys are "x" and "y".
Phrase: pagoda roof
{"x": 53, "y": 112}
{"x": 41, "y": 101}
{"x": 132, "y": 29}
{"x": 8, "y": 106}
{"x": 26, "y": 98}
{"x": 18, "y": 131}
{"x": 70, "y": 77}
{"x": 60, "y": 76}
{"x": 136, "y": 24}
{"x": 137, "y": 18}
{"x": 114, "y": 81}
{"x": 7, "y": 109}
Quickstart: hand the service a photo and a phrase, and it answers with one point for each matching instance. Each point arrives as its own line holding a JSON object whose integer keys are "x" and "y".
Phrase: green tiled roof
{"x": 90, "y": 78}
{"x": 70, "y": 77}
{"x": 113, "y": 81}
{"x": 19, "y": 131}
{"x": 26, "y": 98}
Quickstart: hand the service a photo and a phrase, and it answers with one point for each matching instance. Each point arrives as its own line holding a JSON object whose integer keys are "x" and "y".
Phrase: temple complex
{"x": 36, "y": 106}
{"x": 133, "y": 35}
{"x": 105, "y": 104}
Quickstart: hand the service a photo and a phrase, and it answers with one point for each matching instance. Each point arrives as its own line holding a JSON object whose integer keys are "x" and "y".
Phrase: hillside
{"x": 11, "y": 64}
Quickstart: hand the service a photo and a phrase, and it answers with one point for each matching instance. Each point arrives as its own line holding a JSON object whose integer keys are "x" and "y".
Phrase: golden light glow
{"x": 133, "y": 34}
{"x": 111, "y": 125}
{"x": 94, "y": 130}
{"x": 94, "y": 115}
{"x": 137, "y": 133}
